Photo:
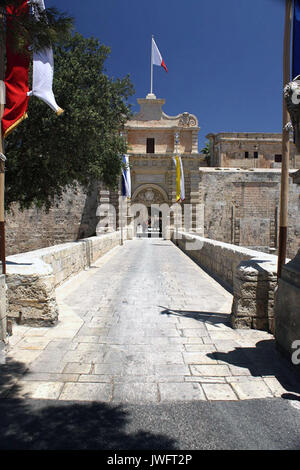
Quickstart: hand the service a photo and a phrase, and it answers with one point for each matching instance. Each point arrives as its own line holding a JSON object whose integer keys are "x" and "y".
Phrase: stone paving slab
{"x": 145, "y": 325}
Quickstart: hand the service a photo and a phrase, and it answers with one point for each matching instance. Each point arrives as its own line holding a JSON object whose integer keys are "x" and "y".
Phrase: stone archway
{"x": 150, "y": 195}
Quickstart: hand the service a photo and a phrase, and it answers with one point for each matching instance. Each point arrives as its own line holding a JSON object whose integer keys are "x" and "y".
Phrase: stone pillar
{"x": 254, "y": 284}
{"x": 178, "y": 141}
{"x": 197, "y": 225}
{"x": 287, "y": 307}
{"x": 107, "y": 212}
{"x": 195, "y": 141}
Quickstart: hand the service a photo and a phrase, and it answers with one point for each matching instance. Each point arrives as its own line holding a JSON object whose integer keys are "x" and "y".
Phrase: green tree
{"x": 206, "y": 151}
{"x": 38, "y": 31}
{"x": 46, "y": 153}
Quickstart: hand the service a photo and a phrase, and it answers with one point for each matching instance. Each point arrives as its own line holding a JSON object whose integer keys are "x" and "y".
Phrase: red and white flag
{"x": 16, "y": 75}
{"x": 156, "y": 56}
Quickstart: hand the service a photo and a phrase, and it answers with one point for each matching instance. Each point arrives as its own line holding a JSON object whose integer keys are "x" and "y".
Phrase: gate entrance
{"x": 152, "y": 227}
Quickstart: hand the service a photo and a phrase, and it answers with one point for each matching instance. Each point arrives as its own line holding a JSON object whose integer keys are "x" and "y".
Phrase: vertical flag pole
{"x": 121, "y": 209}
{"x": 151, "y": 66}
{"x": 121, "y": 204}
{"x": 2, "y": 164}
{"x": 284, "y": 189}
{"x": 177, "y": 137}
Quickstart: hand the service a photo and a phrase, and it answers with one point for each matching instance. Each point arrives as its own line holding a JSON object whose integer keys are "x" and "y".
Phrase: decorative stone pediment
{"x": 152, "y": 116}
{"x": 187, "y": 120}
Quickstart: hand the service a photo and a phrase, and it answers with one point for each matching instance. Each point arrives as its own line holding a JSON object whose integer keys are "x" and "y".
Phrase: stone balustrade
{"x": 250, "y": 275}
{"x": 33, "y": 276}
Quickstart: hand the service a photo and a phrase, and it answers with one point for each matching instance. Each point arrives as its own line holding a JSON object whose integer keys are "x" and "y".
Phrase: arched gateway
{"x": 149, "y": 222}
{"x": 153, "y": 139}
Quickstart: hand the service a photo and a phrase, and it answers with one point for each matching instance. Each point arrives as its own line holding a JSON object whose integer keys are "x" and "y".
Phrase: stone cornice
{"x": 151, "y": 116}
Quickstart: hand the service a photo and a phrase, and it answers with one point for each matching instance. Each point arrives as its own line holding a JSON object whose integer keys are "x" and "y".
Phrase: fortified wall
{"x": 241, "y": 207}
{"x": 240, "y": 191}
{"x": 72, "y": 218}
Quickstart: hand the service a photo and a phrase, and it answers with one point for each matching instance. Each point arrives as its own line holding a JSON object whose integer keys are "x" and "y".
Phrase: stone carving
{"x": 292, "y": 98}
{"x": 149, "y": 196}
{"x": 187, "y": 120}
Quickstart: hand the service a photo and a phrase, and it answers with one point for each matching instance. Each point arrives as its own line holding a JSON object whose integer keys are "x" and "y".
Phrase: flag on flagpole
{"x": 180, "y": 191}
{"x": 156, "y": 56}
{"x": 43, "y": 69}
{"x": 126, "y": 179}
{"x": 16, "y": 76}
{"x": 296, "y": 40}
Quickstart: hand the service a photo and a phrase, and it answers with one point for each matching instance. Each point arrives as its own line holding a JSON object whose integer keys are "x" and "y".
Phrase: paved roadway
{"x": 145, "y": 348}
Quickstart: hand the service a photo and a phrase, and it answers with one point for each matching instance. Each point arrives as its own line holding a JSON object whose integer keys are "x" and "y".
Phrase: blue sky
{"x": 224, "y": 57}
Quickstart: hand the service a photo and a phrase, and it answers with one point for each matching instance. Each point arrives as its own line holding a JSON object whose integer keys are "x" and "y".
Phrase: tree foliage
{"x": 46, "y": 153}
{"x": 207, "y": 151}
{"x": 38, "y": 31}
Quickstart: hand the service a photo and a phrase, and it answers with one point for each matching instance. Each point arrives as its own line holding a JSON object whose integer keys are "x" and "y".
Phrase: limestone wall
{"x": 249, "y": 274}
{"x": 242, "y": 208}
{"x": 71, "y": 219}
{"x": 287, "y": 308}
{"x": 228, "y": 150}
{"x": 32, "y": 277}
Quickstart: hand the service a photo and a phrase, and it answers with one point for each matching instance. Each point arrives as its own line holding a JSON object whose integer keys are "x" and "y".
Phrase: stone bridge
{"x": 144, "y": 322}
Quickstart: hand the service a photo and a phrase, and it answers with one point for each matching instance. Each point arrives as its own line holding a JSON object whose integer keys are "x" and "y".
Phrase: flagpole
{"x": 151, "y": 90}
{"x": 2, "y": 164}
{"x": 121, "y": 209}
{"x": 284, "y": 188}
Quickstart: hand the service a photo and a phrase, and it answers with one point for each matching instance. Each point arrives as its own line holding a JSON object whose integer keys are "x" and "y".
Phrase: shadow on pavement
{"x": 264, "y": 360}
{"x": 28, "y": 424}
{"x": 205, "y": 317}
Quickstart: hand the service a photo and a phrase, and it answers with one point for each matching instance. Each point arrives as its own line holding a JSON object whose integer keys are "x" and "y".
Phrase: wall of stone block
{"x": 32, "y": 277}
{"x": 72, "y": 218}
{"x": 287, "y": 308}
{"x": 242, "y": 208}
{"x": 248, "y": 274}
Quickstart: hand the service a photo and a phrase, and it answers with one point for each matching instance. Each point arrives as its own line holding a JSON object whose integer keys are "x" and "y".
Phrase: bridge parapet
{"x": 32, "y": 277}
{"x": 250, "y": 275}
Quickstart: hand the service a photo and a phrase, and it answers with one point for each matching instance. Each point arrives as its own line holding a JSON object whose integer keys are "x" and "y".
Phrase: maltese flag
{"x": 156, "y": 56}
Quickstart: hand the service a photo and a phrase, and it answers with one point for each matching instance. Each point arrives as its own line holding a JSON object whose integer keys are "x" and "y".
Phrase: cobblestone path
{"x": 145, "y": 324}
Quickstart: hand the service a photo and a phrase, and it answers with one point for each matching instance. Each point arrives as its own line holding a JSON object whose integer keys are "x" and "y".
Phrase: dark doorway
{"x": 154, "y": 223}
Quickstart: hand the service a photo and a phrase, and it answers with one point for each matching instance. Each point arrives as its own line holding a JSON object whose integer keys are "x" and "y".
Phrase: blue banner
{"x": 126, "y": 180}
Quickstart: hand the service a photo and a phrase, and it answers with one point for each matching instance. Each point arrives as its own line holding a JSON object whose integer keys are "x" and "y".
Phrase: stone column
{"x": 106, "y": 212}
{"x": 195, "y": 141}
{"x": 197, "y": 224}
{"x": 178, "y": 143}
{"x": 287, "y": 307}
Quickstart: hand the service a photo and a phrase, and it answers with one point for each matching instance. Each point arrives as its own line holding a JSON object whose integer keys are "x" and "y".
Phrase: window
{"x": 150, "y": 146}
{"x": 255, "y": 155}
{"x": 246, "y": 154}
{"x": 278, "y": 158}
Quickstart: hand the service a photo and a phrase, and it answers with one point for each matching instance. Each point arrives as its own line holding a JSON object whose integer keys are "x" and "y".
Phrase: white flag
{"x": 156, "y": 56}
{"x": 43, "y": 69}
